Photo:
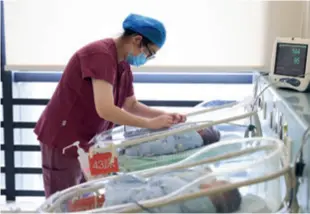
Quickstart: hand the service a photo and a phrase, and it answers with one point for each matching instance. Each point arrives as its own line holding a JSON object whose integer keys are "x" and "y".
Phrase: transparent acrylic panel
{"x": 29, "y": 182}
{"x": 162, "y": 91}
{"x": 192, "y": 91}
{"x": 2, "y": 181}
{"x": 140, "y": 148}
{"x": 1, "y": 118}
{"x": 1, "y": 111}
{"x": 34, "y": 90}
{"x": 2, "y": 202}
{"x": 33, "y": 113}
{"x": 1, "y": 136}
{"x": 28, "y": 159}
{"x": 248, "y": 179}
{"x": 29, "y": 113}
{"x": 2, "y": 159}
{"x": 25, "y": 137}
{"x": 199, "y": 117}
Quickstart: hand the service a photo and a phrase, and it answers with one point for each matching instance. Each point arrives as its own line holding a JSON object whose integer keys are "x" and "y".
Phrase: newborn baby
{"x": 174, "y": 144}
{"x": 132, "y": 189}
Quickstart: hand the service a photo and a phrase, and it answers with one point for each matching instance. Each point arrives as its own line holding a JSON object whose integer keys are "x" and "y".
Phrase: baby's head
{"x": 209, "y": 135}
{"x": 224, "y": 202}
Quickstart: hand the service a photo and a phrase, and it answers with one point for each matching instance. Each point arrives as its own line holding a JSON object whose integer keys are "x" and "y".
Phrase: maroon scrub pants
{"x": 59, "y": 171}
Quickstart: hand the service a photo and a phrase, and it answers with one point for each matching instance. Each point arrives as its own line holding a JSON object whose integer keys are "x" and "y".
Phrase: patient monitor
{"x": 290, "y": 64}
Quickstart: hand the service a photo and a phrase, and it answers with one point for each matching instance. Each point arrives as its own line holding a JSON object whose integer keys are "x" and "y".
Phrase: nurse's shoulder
{"x": 98, "y": 60}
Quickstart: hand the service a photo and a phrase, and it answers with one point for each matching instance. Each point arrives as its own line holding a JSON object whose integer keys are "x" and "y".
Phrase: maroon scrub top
{"x": 70, "y": 114}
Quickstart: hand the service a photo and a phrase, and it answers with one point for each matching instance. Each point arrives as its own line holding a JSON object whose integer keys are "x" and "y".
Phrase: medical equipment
{"x": 105, "y": 155}
{"x": 290, "y": 64}
{"x": 288, "y": 111}
{"x": 299, "y": 101}
{"x": 253, "y": 166}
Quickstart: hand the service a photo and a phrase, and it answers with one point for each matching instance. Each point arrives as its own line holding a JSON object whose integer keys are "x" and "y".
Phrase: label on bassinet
{"x": 101, "y": 164}
{"x": 84, "y": 204}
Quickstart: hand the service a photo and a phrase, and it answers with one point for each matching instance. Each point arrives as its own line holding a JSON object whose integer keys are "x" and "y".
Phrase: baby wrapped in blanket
{"x": 173, "y": 144}
{"x": 132, "y": 189}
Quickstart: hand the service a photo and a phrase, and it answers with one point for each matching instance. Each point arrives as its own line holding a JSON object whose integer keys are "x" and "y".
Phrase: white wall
{"x": 226, "y": 33}
{"x": 203, "y": 33}
{"x": 306, "y": 28}
{"x": 285, "y": 19}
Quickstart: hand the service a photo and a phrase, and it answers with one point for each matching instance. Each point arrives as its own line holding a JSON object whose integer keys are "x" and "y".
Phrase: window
{"x": 199, "y": 33}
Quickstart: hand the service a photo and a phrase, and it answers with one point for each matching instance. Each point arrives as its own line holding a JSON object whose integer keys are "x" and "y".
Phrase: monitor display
{"x": 291, "y": 59}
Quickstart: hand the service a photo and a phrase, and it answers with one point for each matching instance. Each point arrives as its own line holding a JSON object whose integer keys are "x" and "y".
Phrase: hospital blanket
{"x": 132, "y": 163}
{"x": 173, "y": 148}
{"x": 129, "y": 188}
{"x": 169, "y": 145}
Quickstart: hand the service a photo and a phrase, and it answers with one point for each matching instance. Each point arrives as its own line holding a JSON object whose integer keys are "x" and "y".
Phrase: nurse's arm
{"x": 104, "y": 103}
{"x": 135, "y": 107}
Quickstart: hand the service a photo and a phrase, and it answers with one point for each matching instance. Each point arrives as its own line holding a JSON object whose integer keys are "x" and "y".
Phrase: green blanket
{"x": 129, "y": 164}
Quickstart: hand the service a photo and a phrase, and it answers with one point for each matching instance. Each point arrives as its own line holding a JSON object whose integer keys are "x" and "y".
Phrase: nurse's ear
{"x": 137, "y": 40}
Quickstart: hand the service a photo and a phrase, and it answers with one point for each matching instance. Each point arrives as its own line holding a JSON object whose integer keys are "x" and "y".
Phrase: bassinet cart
{"x": 109, "y": 144}
{"x": 254, "y": 167}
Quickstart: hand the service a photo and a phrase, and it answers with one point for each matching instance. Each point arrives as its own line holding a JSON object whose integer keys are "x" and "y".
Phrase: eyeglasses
{"x": 151, "y": 54}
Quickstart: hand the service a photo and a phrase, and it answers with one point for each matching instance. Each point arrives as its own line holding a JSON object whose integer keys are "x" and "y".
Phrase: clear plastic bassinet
{"x": 234, "y": 117}
{"x": 247, "y": 179}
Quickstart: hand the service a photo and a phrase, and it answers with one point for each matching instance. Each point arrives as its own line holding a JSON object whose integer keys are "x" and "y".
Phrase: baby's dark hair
{"x": 228, "y": 201}
{"x": 128, "y": 33}
{"x": 209, "y": 135}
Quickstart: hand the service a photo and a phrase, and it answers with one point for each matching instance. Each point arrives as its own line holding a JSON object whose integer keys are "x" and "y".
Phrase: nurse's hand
{"x": 162, "y": 121}
{"x": 178, "y": 118}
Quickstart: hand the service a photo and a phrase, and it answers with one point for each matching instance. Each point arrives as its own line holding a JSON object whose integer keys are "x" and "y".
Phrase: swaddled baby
{"x": 175, "y": 143}
{"x": 132, "y": 189}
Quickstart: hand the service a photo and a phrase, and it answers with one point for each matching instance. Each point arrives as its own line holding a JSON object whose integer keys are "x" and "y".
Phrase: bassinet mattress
{"x": 250, "y": 204}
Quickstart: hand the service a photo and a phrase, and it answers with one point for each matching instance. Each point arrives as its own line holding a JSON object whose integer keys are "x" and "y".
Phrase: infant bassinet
{"x": 256, "y": 178}
{"x": 132, "y": 163}
{"x": 230, "y": 112}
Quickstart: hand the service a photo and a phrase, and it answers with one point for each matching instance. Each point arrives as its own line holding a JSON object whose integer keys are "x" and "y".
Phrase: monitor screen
{"x": 291, "y": 59}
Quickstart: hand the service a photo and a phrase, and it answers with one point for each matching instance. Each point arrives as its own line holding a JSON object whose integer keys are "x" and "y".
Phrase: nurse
{"x": 94, "y": 93}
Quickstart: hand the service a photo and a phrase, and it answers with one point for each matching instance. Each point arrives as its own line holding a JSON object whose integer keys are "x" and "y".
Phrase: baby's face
{"x": 222, "y": 196}
{"x": 226, "y": 201}
{"x": 200, "y": 132}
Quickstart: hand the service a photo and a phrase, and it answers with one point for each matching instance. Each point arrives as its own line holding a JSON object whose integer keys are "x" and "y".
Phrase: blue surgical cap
{"x": 148, "y": 27}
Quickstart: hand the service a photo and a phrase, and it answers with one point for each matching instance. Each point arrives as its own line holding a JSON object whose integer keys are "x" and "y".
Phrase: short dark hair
{"x": 145, "y": 41}
{"x": 228, "y": 201}
{"x": 209, "y": 135}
